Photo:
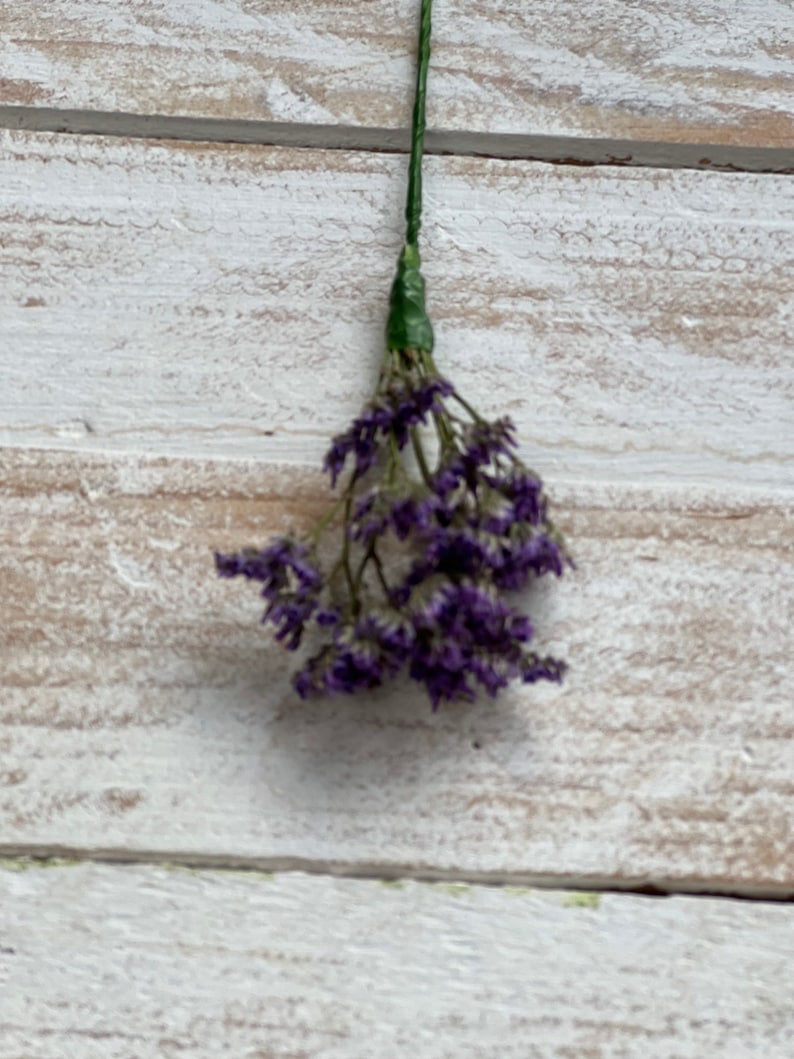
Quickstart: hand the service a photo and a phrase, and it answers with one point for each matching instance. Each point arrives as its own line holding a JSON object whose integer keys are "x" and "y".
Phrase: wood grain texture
{"x": 231, "y": 300}
{"x": 144, "y": 709}
{"x": 221, "y": 309}
{"x": 668, "y": 70}
{"x": 145, "y": 962}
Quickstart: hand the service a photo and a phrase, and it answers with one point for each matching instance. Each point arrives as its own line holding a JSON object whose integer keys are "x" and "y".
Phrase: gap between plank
{"x": 637, "y": 885}
{"x": 560, "y": 150}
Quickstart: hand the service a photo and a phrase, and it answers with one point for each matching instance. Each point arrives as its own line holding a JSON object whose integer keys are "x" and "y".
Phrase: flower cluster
{"x": 437, "y": 518}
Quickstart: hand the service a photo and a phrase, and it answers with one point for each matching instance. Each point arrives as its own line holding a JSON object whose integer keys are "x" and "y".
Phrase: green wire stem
{"x": 413, "y": 206}
{"x": 408, "y": 325}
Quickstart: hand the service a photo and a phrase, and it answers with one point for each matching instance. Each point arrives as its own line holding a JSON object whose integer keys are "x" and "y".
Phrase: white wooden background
{"x": 192, "y": 862}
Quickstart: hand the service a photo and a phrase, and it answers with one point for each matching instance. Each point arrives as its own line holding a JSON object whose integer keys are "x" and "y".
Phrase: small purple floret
{"x": 290, "y": 582}
{"x": 395, "y": 412}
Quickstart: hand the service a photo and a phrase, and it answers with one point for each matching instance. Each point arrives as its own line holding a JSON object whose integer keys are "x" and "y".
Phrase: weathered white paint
{"x": 210, "y": 299}
{"x": 661, "y": 70}
{"x": 147, "y": 962}
{"x": 192, "y": 299}
{"x": 144, "y": 709}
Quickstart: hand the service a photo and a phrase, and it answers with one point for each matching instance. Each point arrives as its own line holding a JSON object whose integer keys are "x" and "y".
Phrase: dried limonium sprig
{"x": 438, "y": 520}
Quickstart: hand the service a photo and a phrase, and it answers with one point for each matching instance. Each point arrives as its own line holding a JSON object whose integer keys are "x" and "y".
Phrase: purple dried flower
{"x": 477, "y": 524}
{"x": 360, "y": 441}
{"x": 370, "y": 518}
{"x": 291, "y": 583}
{"x": 428, "y": 537}
{"x": 537, "y": 555}
{"x": 361, "y": 655}
{"x": 486, "y": 441}
{"x": 393, "y": 412}
{"x": 444, "y": 481}
{"x": 537, "y": 668}
{"x": 405, "y": 516}
{"x": 463, "y": 632}
{"x": 526, "y": 493}
{"x": 352, "y": 667}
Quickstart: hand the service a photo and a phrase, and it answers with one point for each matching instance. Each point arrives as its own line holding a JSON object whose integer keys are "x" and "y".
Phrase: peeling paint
{"x": 454, "y": 889}
{"x": 34, "y": 863}
{"x": 582, "y": 900}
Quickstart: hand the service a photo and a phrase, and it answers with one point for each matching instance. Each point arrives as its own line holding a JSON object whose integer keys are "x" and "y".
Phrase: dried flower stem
{"x": 477, "y": 519}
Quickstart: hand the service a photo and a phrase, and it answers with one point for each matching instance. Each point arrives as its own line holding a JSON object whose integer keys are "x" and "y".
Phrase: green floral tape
{"x": 408, "y": 325}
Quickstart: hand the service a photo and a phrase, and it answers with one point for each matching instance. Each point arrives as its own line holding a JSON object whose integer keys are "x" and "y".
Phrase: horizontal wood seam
{"x": 52, "y": 856}
{"x": 557, "y": 150}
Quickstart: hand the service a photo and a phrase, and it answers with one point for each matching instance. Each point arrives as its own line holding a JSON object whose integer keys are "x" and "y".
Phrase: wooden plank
{"x": 145, "y": 961}
{"x": 144, "y": 709}
{"x": 210, "y": 300}
{"x": 665, "y": 70}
